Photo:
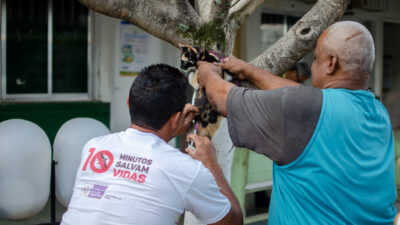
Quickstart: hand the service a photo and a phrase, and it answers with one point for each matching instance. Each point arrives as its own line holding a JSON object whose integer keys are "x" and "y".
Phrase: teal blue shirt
{"x": 345, "y": 175}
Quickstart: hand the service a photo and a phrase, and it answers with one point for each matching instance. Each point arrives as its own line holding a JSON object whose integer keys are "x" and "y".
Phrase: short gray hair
{"x": 353, "y": 44}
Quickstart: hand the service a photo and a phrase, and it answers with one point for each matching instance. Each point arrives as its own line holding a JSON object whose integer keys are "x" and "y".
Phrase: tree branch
{"x": 161, "y": 19}
{"x": 212, "y": 9}
{"x": 234, "y": 2}
{"x": 241, "y": 9}
{"x": 203, "y": 7}
{"x": 302, "y": 37}
{"x": 238, "y": 14}
{"x": 219, "y": 9}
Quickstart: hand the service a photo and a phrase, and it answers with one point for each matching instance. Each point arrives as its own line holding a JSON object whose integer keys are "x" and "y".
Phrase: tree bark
{"x": 161, "y": 19}
{"x": 241, "y": 9}
{"x": 219, "y": 9}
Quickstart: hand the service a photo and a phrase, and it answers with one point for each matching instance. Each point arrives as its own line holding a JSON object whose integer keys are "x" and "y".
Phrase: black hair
{"x": 156, "y": 94}
{"x": 302, "y": 70}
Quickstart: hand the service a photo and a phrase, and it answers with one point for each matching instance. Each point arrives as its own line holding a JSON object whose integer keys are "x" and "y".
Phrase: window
{"x": 273, "y": 27}
{"x": 45, "y": 50}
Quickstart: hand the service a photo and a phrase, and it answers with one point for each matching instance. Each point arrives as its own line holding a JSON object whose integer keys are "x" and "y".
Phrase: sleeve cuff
{"x": 220, "y": 216}
{"x": 233, "y": 98}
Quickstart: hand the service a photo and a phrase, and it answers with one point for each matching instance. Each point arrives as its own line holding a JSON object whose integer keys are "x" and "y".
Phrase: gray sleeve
{"x": 277, "y": 123}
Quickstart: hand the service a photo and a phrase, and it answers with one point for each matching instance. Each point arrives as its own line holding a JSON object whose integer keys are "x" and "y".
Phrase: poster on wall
{"x": 134, "y": 49}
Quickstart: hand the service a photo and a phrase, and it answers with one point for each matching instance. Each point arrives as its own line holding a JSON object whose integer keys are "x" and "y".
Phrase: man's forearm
{"x": 235, "y": 215}
{"x": 264, "y": 79}
{"x": 217, "y": 91}
{"x": 207, "y": 155}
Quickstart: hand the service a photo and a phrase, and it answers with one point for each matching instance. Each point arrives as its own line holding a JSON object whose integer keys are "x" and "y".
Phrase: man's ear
{"x": 174, "y": 120}
{"x": 332, "y": 64}
{"x": 127, "y": 102}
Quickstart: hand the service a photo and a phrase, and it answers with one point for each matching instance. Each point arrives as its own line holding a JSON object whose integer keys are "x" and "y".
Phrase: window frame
{"x": 49, "y": 96}
{"x": 285, "y": 15}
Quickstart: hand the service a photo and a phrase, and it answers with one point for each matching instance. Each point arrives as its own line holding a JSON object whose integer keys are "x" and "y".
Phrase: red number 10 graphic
{"x": 99, "y": 162}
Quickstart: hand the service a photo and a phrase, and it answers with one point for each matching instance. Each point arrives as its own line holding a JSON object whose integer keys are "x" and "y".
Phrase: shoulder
{"x": 204, "y": 176}
{"x": 178, "y": 161}
{"x": 286, "y": 93}
{"x": 301, "y": 108}
{"x": 301, "y": 98}
{"x": 180, "y": 169}
{"x": 103, "y": 139}
{"x": 301, "y": 105}
{"x": 172, "y": 160}
{"x": 301, "y": 92}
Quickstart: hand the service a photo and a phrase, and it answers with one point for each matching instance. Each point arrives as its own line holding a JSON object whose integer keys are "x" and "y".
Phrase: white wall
{"x": 159, "y": 52}
{"x": 103, "y": 62}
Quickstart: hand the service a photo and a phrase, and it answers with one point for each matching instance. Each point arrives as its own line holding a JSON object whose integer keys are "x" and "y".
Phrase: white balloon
{"x": 25, "y": 168}
{"x": 68, "y": 144}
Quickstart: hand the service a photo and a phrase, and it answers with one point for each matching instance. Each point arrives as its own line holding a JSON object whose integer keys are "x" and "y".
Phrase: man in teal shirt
{"x": 332, "y": 144}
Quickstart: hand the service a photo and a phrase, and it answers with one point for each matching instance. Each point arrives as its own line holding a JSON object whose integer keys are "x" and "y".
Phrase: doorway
{"x": 391, "y": 72}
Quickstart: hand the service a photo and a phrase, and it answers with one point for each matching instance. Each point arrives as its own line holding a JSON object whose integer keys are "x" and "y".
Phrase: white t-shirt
{"x": 133, "y": 177}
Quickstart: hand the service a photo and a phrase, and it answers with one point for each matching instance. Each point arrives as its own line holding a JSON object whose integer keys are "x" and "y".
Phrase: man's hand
{"x": 185, "y": 121}
{"x": 217, "y": 89}
{"x": 205, "y": 70}
{"x": 234, "y": 66}
{"x": 205, "y": 151}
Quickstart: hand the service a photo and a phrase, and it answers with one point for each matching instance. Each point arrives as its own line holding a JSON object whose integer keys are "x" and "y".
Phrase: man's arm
{"x": 217, "y": 89}
{"x": 205, "y": 152}
{"x": 263, "y": 79}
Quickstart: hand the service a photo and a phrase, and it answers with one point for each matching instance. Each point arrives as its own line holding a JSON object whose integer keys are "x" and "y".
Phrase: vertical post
{"x": 285, "y": 25}
{"x": 3, "y": 50}
{"x": 379, "y": 48}
{"x": 50, "y": 92}
{"x": 53, "y": 192}
{"x": 90, "y": 90}
{"x": 50, "y": 48}
{"x": 239, "y": 176}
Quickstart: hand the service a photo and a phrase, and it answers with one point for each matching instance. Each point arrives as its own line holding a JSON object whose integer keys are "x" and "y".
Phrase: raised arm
{"x": 263, "y": 79}
{"x": 217, "y": 89}
{"x": 205, "y": 152}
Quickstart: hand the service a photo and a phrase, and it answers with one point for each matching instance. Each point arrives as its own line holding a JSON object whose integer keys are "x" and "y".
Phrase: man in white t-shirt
{"x": 135, "y": 177}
